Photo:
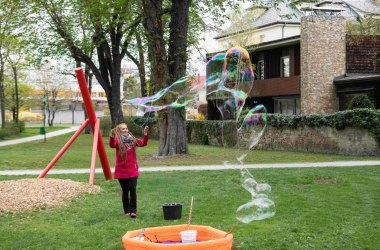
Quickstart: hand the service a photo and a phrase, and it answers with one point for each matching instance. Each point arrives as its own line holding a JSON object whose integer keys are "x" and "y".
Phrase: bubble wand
{"x": 190, "y": 213}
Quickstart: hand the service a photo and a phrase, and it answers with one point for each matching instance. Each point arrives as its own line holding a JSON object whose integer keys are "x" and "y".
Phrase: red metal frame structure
{"x": 98, "y": 145}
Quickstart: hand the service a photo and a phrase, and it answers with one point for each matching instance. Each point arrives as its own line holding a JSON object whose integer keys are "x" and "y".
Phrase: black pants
{"x": 129, "y": 197}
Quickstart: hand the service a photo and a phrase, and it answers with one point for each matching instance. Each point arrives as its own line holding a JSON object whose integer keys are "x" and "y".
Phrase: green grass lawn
{"x": 34, "y": 129}
{"x": 38, "y": 154}
{"x": 316, "y": 208}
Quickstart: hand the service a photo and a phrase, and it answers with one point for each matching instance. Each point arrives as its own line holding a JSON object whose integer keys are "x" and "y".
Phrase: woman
{"x": 126, "y": 168}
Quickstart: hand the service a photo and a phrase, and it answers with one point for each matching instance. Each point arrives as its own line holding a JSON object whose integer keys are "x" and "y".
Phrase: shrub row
{"x": 201, "y": 131}
{"x": 364, "y": 118}
{"x": 12, "y": 128}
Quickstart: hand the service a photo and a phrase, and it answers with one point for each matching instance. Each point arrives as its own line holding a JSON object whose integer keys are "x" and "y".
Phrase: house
{"x": 304, "y": 60}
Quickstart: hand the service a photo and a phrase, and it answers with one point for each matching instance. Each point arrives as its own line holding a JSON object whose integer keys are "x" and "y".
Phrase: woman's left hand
{"x": 146, "y": 129}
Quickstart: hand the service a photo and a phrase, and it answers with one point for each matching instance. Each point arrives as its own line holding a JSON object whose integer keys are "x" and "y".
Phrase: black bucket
{"x": 172, "y": 211}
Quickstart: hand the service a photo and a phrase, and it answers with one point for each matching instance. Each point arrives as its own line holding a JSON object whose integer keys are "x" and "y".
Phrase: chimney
{"x": 323, "y": 56}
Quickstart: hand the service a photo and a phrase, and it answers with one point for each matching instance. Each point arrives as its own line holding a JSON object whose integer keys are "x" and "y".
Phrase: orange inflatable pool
{"x": 168, "y": 237}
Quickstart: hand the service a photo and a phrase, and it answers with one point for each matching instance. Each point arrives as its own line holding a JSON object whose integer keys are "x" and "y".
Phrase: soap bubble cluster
{"x": 260, "y": 206}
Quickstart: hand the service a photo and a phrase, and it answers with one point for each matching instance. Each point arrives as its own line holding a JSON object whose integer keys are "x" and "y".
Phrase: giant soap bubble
{"x": 227, "y": 78}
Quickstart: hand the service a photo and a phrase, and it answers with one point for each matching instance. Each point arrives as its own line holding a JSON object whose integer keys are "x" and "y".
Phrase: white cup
{"x": 188, "y": 236}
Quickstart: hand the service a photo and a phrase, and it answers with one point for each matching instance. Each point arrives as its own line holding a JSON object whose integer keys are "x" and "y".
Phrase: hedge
{"x": 12, "y": 128}
{"x": 364, "y": 118}
{"x": 202, "y": 131}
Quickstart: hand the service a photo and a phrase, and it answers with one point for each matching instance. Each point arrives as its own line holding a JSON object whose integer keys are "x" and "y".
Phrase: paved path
{"x": 39, "y": 137}
{"x": 206, "y": 167}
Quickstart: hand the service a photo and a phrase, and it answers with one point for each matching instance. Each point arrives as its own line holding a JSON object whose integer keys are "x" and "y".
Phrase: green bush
{"x": 105, "y": 125}
{"x": 201, "y": 131}
{"x": 360, "y": 101}
{"x": 12, "y": 128}
{"x": 4, "y": 132}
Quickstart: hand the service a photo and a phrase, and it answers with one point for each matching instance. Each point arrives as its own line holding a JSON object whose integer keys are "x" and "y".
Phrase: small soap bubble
{"x": 260, "y": 206}
{"x": 250, "y": 185}
{"x": 263, "y": 188}
{"x": 257, "y": 209}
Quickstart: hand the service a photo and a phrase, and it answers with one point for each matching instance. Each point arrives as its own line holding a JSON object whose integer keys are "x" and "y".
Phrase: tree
{"x": 139, "y": 60}
{"x": 109, "y": 26}
{"x": 6, "y": 12}
{"x": 168, "y": 65}
{"x": 51, "y": 83}
{"x": 11, "y": 103}
{"x": 17, "y": 61}
{"x": 131, "y": 89}
{"x": 239, "y": 29}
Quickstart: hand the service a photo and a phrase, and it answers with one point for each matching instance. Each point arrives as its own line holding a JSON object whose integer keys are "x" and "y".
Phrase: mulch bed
{"x": 27, "y": 194}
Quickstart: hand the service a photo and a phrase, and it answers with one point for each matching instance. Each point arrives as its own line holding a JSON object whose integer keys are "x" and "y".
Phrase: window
{"x": 285, "y": 66}
{"x": 262, "y": 37}
{"x": 288, "y": 106}
{"x": 260, "y": 70}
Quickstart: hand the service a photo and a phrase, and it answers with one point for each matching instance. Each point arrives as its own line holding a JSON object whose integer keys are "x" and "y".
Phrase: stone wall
{"x": 350, "y": 141}
{"x": 323, "y": 50}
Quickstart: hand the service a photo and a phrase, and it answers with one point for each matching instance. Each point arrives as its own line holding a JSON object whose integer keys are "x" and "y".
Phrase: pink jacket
{"x": 128, "y": 168}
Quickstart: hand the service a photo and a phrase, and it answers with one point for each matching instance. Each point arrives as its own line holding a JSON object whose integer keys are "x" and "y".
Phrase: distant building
{"x": 304, "y": 61}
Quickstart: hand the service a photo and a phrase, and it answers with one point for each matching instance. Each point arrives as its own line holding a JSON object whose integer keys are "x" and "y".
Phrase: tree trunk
{"x": 17, "y": 101}
{"x": 157, "y": 58}
{"x": 172, "y": 124}
{"x": 141, "y": 65}
{"x": 73, "y": 107}
{"x": 175, "y": 124}
{"x": 51, "y": 116}
{"x": 2, "y": 95}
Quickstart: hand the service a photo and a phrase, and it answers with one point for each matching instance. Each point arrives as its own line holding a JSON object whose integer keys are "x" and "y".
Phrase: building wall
{"x": 275, "y": 32}
{"x": 323, "y": 45}
{"x": 363, "y": 54}
{"x": 261, "y": 35}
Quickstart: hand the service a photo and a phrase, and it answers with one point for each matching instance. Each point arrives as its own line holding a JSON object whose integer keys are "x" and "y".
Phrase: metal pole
{"x": 92, "y": 118}
{"x": 63, "y": 150}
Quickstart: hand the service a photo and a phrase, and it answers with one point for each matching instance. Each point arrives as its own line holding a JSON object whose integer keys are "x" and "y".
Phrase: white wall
{"x": 262, "y": 35}
{"x": 65, "y": 117}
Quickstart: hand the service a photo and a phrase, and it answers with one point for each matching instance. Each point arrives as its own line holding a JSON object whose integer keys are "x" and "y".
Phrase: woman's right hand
{"x": 112, "y": 133}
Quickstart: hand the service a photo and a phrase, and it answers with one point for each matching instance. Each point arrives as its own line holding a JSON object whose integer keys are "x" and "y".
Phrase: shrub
{"x": 12, "y": 128}
{"x": 4, "y": 132}
{"x": 360, "y": 101}
{"x": 105, "y": 125}
{"x": 203, "y": 130}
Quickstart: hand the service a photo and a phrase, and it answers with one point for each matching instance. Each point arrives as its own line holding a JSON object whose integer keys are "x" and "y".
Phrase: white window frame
{"x": 260, "y": 70}
{"x": 285, "y": 73}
